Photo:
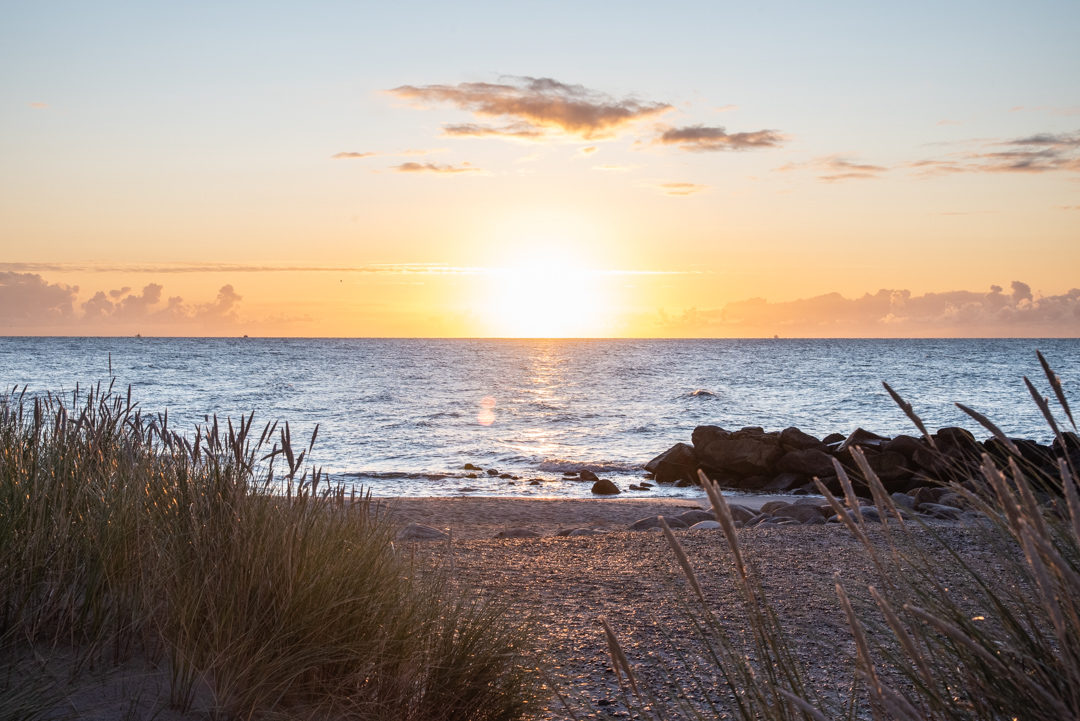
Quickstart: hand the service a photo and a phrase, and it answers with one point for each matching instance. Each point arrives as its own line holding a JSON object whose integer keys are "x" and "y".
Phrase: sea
{"x": 402, "y": 417}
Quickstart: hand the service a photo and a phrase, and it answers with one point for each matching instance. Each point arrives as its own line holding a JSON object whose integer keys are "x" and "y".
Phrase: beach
{"x": 565, "y": 584}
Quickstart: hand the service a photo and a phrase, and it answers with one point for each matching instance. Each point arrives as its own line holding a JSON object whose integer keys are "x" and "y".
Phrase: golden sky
{"x": 477, "y": 170}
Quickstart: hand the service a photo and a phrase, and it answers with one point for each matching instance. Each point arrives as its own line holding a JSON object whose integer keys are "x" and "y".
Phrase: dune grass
{"x": 1006, "y": 647}
{"x": 221, "y": 558}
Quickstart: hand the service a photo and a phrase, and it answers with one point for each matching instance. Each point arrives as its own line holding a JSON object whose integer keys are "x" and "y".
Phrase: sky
{"x": 685, "y": 169}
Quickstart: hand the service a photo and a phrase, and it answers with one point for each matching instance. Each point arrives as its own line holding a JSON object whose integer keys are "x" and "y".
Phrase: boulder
{"x": 492, "y": 472}
{"x": 471, "y": 467}
{"x": 795, "y": 440}
{"x": 903, "y": 500}
{"x": 695, "y": 515}
{"x": 677, "y": 462}
{"x": 937, "y": 510}
{"x": 586, "y": 475}
{"x": 418, "y": 532}
{"x": 771, "y": 507}
{"x": 784, "y": 482}
{"x": 744, "y": 456}
{"x": 740, "y": 513}
{"x": 704, "y": 435}
{"x": 904, "y": 445}
{"x": 517, "y": 533}
{"x": 927, "y": 494}
{"x": 604, "y": 487}
{"x": 707, "y": 525}
{"x": 644, "y": 524}
{"x": 808, "y": 462}
{"x": 802, "y": 513}
{"x": 752, "y": 483}
{"x": 889, "y": 465}
{"x": 864, "y": 438}
{"x": 833, "y": 439}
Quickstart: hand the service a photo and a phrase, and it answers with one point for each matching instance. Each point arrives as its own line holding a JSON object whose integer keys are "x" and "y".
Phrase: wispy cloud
{"x": 680, "y": 188}
{"x": 708, "y": 139}
{"x": 1039, "y": 153}
{"x": 536, "y": 105}
{"x": 437, "y": 168}
{"x": 352, "y": 155}
{"x": 38, "y": 106}
{"x": 614, "y": 168}
{"x": 896, "y": 313}
{"x": 838, "y": 167}
{"x": 518, "y": 131}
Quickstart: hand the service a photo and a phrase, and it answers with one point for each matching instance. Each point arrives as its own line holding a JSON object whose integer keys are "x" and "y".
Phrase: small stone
{"x": 492, "y": 472}
{"x": 471, "y": 467}
{"x": 604, "y": 487}
{"x": 505, "y": 475}
{"x": 517, "y": 533}
{"x": 534, "y": 482}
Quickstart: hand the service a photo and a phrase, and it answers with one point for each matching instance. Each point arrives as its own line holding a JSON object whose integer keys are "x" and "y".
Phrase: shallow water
{"x": 402, "y": 417}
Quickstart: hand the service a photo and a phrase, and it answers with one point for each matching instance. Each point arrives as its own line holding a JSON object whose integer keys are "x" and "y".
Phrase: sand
{"x": 564, "y": 585}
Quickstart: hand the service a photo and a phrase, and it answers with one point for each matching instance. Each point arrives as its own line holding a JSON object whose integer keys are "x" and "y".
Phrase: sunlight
{"x": 547, "y": 295}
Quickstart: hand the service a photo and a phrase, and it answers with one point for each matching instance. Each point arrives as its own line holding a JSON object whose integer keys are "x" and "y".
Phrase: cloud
{"x": 27, "y": 299}
{"x": 439, "y": 168}
{"x": 891, "y": 313}
{"x": 351, "y": 155}
{"x": 705, "y": 139}
{"x": 390, "y": 268}
{"x": 838, "y": 167}
{"x": 613, "y": 168}
{"x": 520, "y": 131}
{"x": 680, "y": 188}
{"x": 30, "y": 304}
{"x": 1038, "y": 153}
{"x": 539, "y": 105}
{"x": 38, "y": 106}
{"x": 589, "y": 150}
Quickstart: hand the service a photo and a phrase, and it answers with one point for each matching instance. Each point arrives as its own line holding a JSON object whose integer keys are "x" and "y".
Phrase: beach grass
{"x": 228, "y": 562}
{"x": 1001, "y": 644}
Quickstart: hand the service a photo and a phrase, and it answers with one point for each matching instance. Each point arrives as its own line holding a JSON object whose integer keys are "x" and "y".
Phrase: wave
{"x": 559, "y": 465}
{"x": 700, "y": 393}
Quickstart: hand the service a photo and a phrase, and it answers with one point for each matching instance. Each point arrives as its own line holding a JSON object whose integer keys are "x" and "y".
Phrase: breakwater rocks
{"x": 787, "y": 461}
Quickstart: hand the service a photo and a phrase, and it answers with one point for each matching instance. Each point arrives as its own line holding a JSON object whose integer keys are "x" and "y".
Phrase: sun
{"x": 549, "y": 294}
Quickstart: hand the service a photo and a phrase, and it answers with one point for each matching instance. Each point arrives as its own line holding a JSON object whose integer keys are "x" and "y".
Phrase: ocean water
{"x": 402, "y": 417}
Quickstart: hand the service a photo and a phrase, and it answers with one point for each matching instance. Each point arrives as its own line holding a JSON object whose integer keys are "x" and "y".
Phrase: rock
{"x": 676, "y": 462}
{"x": 795, "y": 440}
{"x": 645, "y": 486}
{"x": 745, "y": 456}
{"x": 418, "y": 532}
{"x": 683, "y": 483}
{"x": 471, "y": 475}
{"x": 954, "y": 500}
{"x": 957, "y": 442}
{"x": 937, "y": 510}
{"x": 604, "y": 487}
{"x": 771, "y": 506}
{"x": 704, "y": 435}
{"x": 635, "y": 487}
{"x": 753, "y": 483}
{"x": 706, "y": 525}
{"x": 517, "y": 533}
{"x": 492, "y": 472}
{"x": 695, "y": 516}
{"x": 471, "y": 467}
{"x": 833, "y": 438}
{"x": 585, "y": 532}
{"x": 808, "y": 462}
{"x": 889, "y": 465}
{"x": 741, "y": 513}
{"x": 863, "y": 437}
{"x": 802, "y": 513}
{"x": 904, "y": 445}
{"x": 926, "y": 494}
{"x": 784, "y": 482}
{"x": 534, "y": 482}
{"x": 903, "y": 500}
{"x": 587, "y": 475}
{"x": 569, "y": 474}
{"x": 644, "y": 524}
{"x": 505, "y": 475}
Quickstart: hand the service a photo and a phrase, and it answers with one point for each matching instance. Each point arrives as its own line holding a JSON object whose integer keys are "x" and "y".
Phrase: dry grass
{"x": 119, "y": 538}
{"x": 1006, "y": 646}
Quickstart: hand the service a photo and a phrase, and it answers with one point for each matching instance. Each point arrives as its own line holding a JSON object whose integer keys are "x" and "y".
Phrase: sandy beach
{"x": 566, "y": 584}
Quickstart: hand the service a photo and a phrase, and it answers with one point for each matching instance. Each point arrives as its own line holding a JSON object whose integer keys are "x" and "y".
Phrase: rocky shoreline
{"x": 788, "y": 461}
